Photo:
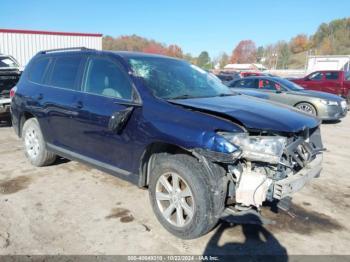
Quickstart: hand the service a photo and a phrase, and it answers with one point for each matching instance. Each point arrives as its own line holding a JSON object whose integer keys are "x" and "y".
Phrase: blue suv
{"x": 202, "y": 151}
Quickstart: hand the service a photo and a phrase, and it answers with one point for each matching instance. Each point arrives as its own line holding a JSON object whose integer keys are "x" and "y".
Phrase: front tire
{"x": 181, "y": 197}
{"x": 307, "y": 108}
{"x": 34, "y": 144}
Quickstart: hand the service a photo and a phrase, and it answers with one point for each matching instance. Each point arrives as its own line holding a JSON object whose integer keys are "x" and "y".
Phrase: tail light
{"x": 13, "y": 91}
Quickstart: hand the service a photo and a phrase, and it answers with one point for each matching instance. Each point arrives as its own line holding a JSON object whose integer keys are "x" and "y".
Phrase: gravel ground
{"x": 69, "y": 208}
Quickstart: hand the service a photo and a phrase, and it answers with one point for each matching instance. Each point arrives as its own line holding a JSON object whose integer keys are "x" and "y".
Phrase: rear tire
{"x": 185, "y": 208}
{"x": 34, "y": 144}
{"x": 307, "y": 108}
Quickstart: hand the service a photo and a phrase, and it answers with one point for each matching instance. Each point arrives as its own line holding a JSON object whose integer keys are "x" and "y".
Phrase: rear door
{"x": 107, "y": 135}
{"x": 60, "y": 96}
{"x": 332, "y": 82}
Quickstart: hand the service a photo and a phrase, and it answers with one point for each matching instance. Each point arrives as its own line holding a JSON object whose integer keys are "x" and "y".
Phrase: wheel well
{"x": 149, "y": 156}
{"x": 306, "y": 102}
{"x": 25, "y": 116}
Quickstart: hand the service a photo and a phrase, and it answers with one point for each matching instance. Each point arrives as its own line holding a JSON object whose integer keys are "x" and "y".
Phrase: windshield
{"x": 175, "y": 79}
{"x": 7, "y": 61}
{"x": 290, "y": 85}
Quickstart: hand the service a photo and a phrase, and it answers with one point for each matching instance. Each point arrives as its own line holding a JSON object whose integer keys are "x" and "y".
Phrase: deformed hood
{"x": 254, "y": 113}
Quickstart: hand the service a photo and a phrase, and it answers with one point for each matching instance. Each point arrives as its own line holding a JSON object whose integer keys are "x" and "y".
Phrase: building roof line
{"x": 36, "y": 32}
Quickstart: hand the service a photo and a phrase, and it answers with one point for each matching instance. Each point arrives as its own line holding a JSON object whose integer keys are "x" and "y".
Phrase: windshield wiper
{"x": 185, "y": 96}
{"x": 225, "y": 94}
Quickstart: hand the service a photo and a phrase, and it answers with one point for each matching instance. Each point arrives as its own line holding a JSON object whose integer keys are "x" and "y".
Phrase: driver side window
{"x": 107, "y": 78}
{"x": 315, "y": 76}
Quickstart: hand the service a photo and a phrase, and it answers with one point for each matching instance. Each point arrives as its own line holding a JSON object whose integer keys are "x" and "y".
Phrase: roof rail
{"x": 64, "y": 49}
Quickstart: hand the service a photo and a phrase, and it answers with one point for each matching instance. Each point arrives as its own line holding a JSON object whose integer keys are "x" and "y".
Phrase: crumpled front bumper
{"x": 288, "y": 186}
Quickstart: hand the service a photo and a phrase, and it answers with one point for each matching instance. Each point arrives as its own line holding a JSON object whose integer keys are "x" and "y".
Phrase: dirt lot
{"x": 69, "y": 208}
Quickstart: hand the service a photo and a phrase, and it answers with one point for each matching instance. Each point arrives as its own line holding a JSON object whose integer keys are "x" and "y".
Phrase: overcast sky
{"x": 213, "y": 26}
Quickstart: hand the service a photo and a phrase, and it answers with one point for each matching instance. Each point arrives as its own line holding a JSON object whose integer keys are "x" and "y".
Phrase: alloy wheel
{"x": 174, "y": 199}
{"x": 307, "y": 108}
{"x": 31, "y": 142}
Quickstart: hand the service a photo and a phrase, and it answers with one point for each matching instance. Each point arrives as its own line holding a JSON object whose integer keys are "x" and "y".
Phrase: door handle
{"x": 79, "y": 105}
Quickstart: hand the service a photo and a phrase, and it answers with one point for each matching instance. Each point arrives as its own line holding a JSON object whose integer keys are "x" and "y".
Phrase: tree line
{"x": 329, "y": 39}
{"x": 142, "y": 44}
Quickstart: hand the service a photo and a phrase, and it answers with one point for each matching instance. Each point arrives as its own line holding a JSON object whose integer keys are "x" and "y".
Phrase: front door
{"x": 108, "y": 134}
{"x": 273, "y": 90}
{"x": 313, "y": 81}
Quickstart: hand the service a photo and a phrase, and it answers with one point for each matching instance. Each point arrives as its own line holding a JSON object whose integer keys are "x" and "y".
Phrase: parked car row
{"x": 325, "y": 94}
{"x": 323, "y": 105}
{"x": 203, "y": 151}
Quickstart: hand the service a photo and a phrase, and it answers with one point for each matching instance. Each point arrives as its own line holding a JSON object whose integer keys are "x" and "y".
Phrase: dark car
{"x": 166, "y": 125}
{"x": 9, "y": 76}
{"x": 227, "y": 77}
{"x": 323, "y": 105}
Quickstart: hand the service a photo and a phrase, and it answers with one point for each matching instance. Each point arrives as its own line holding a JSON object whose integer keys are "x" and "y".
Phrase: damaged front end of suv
{"x": 265, "y": 166}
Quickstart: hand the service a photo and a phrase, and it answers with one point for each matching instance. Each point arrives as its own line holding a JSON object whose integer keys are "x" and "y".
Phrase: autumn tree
{"x": 244, "y": 52}
{"x": 155, "y": 48}
{"x": 175, "y": 51}
{"x": 299, "y": 44}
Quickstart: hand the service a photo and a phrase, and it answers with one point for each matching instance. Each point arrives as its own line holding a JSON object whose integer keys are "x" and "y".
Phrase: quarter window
{"x": 65, "y": 72}
{"x": 105, "y": 77}
{"x": 37, "y": 70}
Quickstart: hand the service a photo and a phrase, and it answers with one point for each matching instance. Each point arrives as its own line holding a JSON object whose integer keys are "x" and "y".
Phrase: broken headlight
{"x": 258, "y": 148}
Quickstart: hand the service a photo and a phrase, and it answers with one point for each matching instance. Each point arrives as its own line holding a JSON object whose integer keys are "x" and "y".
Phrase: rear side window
{"x": 245, "y": 83}
{"x": 64, "y": 73}
{"x": 332, "y": 75}
{"x": 38, "y": 69}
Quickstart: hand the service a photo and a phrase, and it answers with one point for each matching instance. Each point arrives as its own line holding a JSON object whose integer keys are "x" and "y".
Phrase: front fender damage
{"x": 248, "y": 184}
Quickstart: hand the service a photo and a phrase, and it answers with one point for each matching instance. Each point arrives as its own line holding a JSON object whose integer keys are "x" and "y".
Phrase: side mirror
{"x": 119, "y": 119}
{"x": 279, "y": 91}
{"x": 306, "y": 79}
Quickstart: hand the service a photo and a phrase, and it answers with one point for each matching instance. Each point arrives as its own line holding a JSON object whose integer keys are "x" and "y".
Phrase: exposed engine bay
{"x": 253, "y": 182}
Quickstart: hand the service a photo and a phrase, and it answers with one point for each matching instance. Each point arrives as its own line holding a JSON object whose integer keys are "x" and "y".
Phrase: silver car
{"x": 323, "y": 105}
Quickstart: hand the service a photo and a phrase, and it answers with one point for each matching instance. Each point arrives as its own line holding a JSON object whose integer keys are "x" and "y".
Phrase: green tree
{"x": 223, "y": 59}
{"x": 203, "y": 60}
{"x": 260, "y": 54}
{"x": 283, "y": 55}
